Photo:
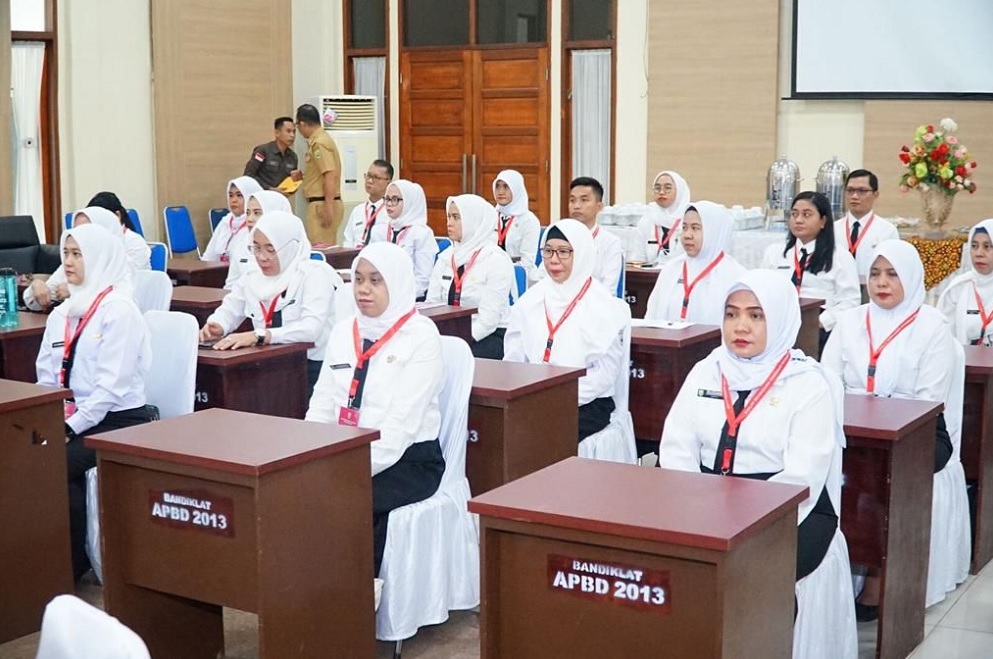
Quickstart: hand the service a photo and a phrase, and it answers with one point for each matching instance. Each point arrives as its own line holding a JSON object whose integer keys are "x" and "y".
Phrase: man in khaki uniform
{"x": 321, "y": 178}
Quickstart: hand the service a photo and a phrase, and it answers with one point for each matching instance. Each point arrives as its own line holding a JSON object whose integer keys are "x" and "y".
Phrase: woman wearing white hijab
{"x": 517, "y": 228}
{"x": 569, "y": 319}
{"x": 41, "y": 294}
{"x": 784, "y": 425}
{"x": 660, "y": 227}
{"x": 408, "y": 228}
{"x": 968, "y": 301}
{"x": 912, "y": 354}
{"x": 100, "y": 332}
{"x": 259, "y": 203}
{"x": 473, "y": 272}
{"x": 288, "y": 298}
{"x": 384, "y": 371}
{"x": 691, "y": 286}
{"x": 231, "y": 234}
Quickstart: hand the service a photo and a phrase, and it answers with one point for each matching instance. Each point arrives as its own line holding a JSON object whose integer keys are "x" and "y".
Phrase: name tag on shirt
{"x": 968, "y": 312}
{"x": 709, "y": 393}
{"x": 340, "y": 367}
{"x": 783, "y": 267}
{"x": 653, "y": 242}
{"x": 58, "y": 344}
{"x": 446, "y": 277}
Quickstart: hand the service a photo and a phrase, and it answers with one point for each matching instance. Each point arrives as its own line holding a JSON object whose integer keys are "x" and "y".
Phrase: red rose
{"x": 930, "y": 128}
{"x": 934, "y": 155}
{"x": 973, "y": 164}
{"x": 905, "y": 148}
{"x": 905, "y": 158}
{"x": 960, "y": 170}
{"x": 943, "y": 149}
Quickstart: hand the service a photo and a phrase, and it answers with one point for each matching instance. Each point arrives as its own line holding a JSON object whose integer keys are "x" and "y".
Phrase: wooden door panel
{"x": 504, "y": 112}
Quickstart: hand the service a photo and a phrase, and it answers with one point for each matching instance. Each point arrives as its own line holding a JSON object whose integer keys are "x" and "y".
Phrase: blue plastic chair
{"x": 216, "y": 215}
{"x": 521, "y": 276}
{"x": 68, "y": 221}
{"x": 159, "y": 256}
{"x": 443, "y": 244}
{"x": 179, "y": 231}
{"x": 623, "y": 279}
{"x": 317, "y": 256}
{"x": 541, "y": 236}
{"x": 133, "y": 214}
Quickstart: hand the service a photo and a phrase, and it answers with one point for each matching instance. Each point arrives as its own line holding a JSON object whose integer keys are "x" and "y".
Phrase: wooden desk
{"x": 977, "y": 447}
{"x": 339, "y": 257}
{"x": 257, "y": 513}
{"x": 452, "y": 321}
{"x": 886, "y": 508}
{"x": 269, "y": 379}
{"x": 638, "y": 285}
{"x": 194, "y": 272}
{"x": 520, "y": 420}
{"x": 34, "y": 505}
{"x": 710, "y": 577}
{"x": 809, "y": 338}
{"x": 660, "y": 361}
{"x": 19, "y": 347}
{"x": 198, "y": 301}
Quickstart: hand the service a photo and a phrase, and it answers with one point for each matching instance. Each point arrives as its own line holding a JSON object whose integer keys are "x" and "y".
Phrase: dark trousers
{"x": 594, "y": 416}
{"x": 79, "y": 460}
{"x": 489, "y": 347}
{"x": 942, "y": 444}
{"x": 822, "y": 339}
{"x": 414, "y": 477}
{"x": 313, "y": 372}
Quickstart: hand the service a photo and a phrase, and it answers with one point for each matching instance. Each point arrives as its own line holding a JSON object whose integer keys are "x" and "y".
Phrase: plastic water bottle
{"x": 8, "y": 298}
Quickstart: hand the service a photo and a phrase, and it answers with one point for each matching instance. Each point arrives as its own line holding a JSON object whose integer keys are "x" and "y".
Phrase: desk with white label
{"x": 257, "y": 513}
{"x": 582, "y": 560}
{"x": 268, "y": 379}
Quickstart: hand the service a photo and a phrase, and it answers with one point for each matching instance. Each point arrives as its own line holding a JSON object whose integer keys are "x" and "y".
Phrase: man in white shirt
{"x": 358, "y": 228}
{"x": 861, "y": 230}
{"x": 585, "y": 202}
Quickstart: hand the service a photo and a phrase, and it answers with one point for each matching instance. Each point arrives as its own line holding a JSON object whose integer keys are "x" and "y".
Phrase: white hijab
{"x": 718, "y": 226}
{"x": 102, "y": 217}
{"x": 515, "y": 181}
{"x": 289, "y": 238}
{"x": 594, "y": 323}
{"x": 984, "y": 283}
{"x": 478, "y": 220}
{"x": 415, "y": 207}
{"x": 666, "y": 217}
{"x": 907, "y": 263}
{"x": 105, "y": 263}
{"x": 247, "y": 186}
{"x": 270, "y": 201}
{"x": 397, "y": 271}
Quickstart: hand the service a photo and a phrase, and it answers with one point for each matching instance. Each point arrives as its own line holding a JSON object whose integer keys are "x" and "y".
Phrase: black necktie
{"x": 798, "y": 276}
{"x": 855, "y": 235}
{"x": 724, "y": 458}
{"x": 359, "y": 375}
{"x": 368, "y": 230}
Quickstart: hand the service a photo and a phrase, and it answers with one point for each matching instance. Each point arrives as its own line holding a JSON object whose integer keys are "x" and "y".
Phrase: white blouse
{"x": 652, "y": 253}
{"x": 522, "y": 241}
{"x": 958, "y": 304}
{"x": 400, "y": 397}
{"x": 138, "y": 251}
{"x": 610, "y": 259}
{"x": 419, "y": 243}
{"x": 706, "y": 301}
{"x": 221, "y": 242}
{"x": 487, "y": 286}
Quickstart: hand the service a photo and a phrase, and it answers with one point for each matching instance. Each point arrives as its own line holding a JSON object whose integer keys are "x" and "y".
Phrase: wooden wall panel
{"x": 222, "y": 73}
{"x": 712, "y": 95}
{"x": 891, "y": 124}
{"x": 6, "y": 166}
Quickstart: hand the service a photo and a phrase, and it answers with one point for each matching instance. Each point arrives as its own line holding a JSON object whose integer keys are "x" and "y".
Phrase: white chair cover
{"x": 152, "y": 290}
{"x": 72, "y": 629}
{"x": 616, "y": 443}
{"x": 951, "y": 538}
{"x": 431, "y": 560}
{"x": 344, "y": 302}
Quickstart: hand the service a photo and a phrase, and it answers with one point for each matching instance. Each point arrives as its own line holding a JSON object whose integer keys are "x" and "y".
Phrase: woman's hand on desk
{"x": 235, "y": 341}
{"x": 211, "y": 332}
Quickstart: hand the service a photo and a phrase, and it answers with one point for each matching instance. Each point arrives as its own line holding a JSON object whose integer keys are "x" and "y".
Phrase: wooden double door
{"x": 466, "y": 115}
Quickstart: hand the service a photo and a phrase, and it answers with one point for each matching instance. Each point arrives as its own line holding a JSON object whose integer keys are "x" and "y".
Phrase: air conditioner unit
{"x": 356, "y": 132}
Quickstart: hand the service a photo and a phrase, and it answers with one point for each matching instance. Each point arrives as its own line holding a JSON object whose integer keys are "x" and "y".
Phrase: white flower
{"x": 949, "y": 125}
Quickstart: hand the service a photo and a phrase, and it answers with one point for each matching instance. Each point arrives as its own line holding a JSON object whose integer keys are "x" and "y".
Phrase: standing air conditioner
{"x": 356, "y": 132}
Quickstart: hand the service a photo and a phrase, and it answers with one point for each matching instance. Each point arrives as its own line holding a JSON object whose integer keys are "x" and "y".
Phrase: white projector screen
{"x": 893, "y": 48}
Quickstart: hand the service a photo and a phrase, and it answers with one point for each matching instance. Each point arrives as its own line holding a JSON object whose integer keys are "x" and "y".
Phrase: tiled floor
{"x": 961, "y": 627}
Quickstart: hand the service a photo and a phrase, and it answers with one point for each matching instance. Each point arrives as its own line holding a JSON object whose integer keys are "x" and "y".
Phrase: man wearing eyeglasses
{"x": 273, "y": 161}
{"x": 861, "y": 229}
{"x": 321, "y": 177}
{"x": 364, "y": 217}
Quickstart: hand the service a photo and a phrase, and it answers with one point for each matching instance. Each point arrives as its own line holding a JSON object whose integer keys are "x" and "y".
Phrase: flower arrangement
{"x": 937, "y": 161}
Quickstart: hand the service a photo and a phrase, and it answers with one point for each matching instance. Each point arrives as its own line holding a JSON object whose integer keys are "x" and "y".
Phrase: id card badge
{"x": 225, "y": 258}
{"x": 348, "y": 416}
{"x": 70, "y": 408}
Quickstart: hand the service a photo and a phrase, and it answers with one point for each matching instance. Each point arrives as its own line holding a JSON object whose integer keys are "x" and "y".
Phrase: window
{"x": 436, "y": 22}
{"x": 590, "y": 20}
{"x": 510, "y": 22}
{"x": 367, "y": 59}
{"x": 367, "y": 24}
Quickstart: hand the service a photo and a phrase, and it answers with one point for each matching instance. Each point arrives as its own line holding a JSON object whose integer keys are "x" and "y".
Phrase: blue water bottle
{"x": 8, "y": 298}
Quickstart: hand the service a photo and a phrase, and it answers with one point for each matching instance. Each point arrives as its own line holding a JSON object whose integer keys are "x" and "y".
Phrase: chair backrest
{"x": 18, "y": 231}
{"x": 443, "y": 243}
{"x": 344, "y": 302}
{"x": 622, "y": 280}
{"x": 956, "y": 399}
{"x": 521, "y": 277}
{"x": 159, "y": 256}
{"x": 454, "y": 403}
{"x": 216, "y": 215}
{"x": 623, "y": 384}
{"x": 171, "y": 380}
{"x": 152, "y": 290}
{"x": 68, "y": 220}
{"x": 72, "y": 629}
{"x": 179, "y": 230}
{"x": 541, "y": 236}
{"x": 317, "y": 256}
{"x": 136, "y": 221}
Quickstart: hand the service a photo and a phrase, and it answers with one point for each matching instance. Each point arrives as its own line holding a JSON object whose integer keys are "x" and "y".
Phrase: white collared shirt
{"x": 877, "y": 231}
{"x": 355, "y": 227}
{"x": 610, "y": 259}
{"x": 221, "y": 241}
{"x": 487, "y": 286}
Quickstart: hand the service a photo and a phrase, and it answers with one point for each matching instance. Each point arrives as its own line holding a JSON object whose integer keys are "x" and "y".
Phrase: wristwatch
{"x": 260, "y": 338}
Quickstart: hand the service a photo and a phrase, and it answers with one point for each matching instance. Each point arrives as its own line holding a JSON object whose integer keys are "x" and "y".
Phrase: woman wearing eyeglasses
{"x": 662, "y": 224}
{"x": 474, "y": 272}
{"x": 289, "y": 299}
{"x": 408, "y": 228}
{"x": 569, "y": 319}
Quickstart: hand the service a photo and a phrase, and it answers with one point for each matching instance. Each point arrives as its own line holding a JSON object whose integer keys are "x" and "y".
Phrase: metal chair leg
{"x": 396, "y": 649}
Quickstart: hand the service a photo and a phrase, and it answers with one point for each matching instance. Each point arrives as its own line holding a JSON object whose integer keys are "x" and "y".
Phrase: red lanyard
{"x": 662, "y": 243}
{"x": 370, "y": 219}
{"x": 688, "y": 287}
{"x": 234, "y": 232}
{"x": 397, "y": 234}
{"x": 797, "y": 270}
{"x": 502, "y": 232}
{"x": 848, "y": 234}
{"x": 596, "y": 232}
{"x": 735, "y": 421}
{"x": 457, "y": 279}
{"x": 362, "y": 357}
{"x": 69, "y": 341}
{"x": 874, "y": 354}
{"x": 267, "y": 315}
{"x": 552, "y": 329}
{"x": 984, "y": 317}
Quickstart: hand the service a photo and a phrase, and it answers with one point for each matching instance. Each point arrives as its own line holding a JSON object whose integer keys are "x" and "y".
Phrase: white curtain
{"x": 370, "y": 80}
{"x": 28, "y": 59}
{"x": 591, "y": 116}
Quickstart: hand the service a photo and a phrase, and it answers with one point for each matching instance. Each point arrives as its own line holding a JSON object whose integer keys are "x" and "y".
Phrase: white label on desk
{"x": 610, "y": 583}
{"x": 196, "y": 510}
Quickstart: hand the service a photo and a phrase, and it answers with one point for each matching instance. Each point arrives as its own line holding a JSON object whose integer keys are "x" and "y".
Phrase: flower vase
{"x": 937, "y": 206}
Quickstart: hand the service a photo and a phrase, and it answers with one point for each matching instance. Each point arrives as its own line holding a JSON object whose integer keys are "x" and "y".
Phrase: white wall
{"x": 106, "y": 136}
{"x": 631, "y": 104}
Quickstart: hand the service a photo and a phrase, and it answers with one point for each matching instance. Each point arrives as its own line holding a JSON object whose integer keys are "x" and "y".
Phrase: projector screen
{"x": 893, "y": 49}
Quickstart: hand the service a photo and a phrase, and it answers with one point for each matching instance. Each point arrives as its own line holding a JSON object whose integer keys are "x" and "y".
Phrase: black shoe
{"x": 866, "y": 613}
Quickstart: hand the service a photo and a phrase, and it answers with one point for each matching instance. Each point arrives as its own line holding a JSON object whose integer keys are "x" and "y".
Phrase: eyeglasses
{"x": 663, "y": 188}
{"x": 563, "y": 253}
{"x": 858, "y": 192}
{"x": 392, "y": 201}
{"x": 373, "y": 177}
{"x": 268, "y": 250}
